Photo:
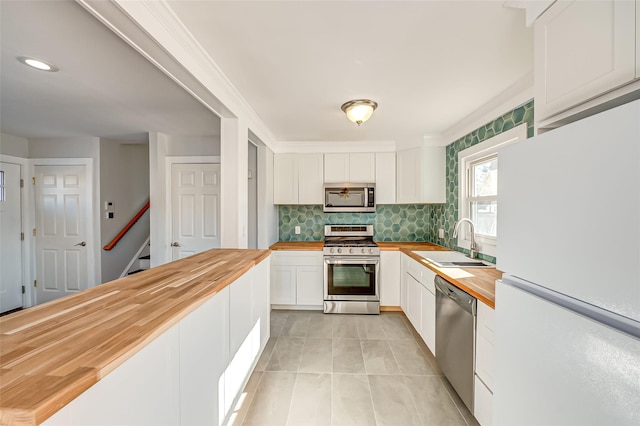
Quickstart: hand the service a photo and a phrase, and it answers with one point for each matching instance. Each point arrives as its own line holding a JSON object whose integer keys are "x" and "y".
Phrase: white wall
{"x": 162, "y": 147}
{"x": 252, "y": 204}
{"x": 14, "y": 145}
{"x": 124, "y": 180}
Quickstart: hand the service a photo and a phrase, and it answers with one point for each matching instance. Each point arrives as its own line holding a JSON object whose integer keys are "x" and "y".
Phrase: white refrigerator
{"x": 567, "y": 343}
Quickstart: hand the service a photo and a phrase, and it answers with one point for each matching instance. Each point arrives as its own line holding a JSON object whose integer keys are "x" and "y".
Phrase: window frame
{"x": 483, "y": 150}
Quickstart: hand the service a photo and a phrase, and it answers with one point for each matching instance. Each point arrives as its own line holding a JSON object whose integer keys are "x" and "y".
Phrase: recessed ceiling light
{"x": 38, "y": 64}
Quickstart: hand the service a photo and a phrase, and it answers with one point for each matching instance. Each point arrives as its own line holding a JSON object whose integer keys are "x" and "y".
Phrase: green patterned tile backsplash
{"x": 444, "y": 216}
{"x": 391, "y": 222}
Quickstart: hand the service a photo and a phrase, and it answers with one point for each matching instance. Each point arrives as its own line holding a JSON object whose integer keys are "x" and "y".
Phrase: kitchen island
{"x": 144, "y": 349}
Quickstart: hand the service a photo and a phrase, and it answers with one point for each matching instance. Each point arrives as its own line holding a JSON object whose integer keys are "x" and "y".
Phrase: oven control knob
{"x": 351, "y": 251}
{"x": 331, "y": 250}
{"x": 364, "y": 251}
{"x": 339, "y": 250}
{"x": 371, "y": 251}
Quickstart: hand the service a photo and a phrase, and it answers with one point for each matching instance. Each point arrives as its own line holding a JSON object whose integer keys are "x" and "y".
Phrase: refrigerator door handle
{"x": 603, "y": 316}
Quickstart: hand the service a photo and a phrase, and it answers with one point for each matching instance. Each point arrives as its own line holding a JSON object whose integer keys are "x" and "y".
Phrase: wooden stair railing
{"x": 127, "y": 227}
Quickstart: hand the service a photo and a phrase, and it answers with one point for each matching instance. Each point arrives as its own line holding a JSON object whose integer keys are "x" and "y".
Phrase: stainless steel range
{"x": 351, "y": 267}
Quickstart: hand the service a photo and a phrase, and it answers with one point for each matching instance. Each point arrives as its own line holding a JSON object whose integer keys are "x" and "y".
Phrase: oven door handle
{"x": 351, "y": 260}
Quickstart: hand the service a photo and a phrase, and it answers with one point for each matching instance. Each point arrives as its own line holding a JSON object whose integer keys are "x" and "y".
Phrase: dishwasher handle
{"x": 461, "y": 298}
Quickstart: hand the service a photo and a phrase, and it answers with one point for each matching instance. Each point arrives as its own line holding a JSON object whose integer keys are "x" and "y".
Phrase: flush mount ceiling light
{"x": 38, "y": 64}
{"x": 359, "y": 110}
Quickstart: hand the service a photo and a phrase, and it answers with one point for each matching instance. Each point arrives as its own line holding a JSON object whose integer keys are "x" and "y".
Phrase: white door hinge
{"x": 33, "y": 180}
{"x": 34, "y": 232}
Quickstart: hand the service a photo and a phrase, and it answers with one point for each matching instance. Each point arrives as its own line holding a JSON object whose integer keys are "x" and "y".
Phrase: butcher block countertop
{"x": 51, "y": 353}
{"x": 479, "y": 282}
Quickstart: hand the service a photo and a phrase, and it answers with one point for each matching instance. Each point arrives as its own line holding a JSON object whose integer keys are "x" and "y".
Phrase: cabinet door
{"x": 432, "y": 178}
{"x": 285, "y": 179}
{"x": 261, "y": 306}
{"x": 407, "y": 176}
{"x": 362, "y": 167}
{"x": 310, "y": 285}
{"x": 482, "y": 403}
{"x": 204, "y": 356}
{"x": 404, "y": 278}
{"x": 389, "y": 278}
{"x": 582, "y": 49}
{"x": 283, "y": 285}
{"x": 428, "y": 318}
{"x": 414, "y": 309}
{"x": 310, "y": 179}
{"x": 336, "y": 168}
{"x": 385, "y": 178}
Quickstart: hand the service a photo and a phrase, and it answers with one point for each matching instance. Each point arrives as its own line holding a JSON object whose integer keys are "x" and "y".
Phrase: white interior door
{"x": 10, "y": 237}
{"x": 195, "y": 208}
{"x": 61, "y": 231}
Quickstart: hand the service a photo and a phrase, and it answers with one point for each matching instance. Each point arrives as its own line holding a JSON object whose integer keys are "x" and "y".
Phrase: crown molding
{"x": 327, "y": 147}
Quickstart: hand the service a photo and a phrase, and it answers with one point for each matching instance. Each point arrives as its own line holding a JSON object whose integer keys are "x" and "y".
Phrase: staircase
{"x": 141, "y": 261}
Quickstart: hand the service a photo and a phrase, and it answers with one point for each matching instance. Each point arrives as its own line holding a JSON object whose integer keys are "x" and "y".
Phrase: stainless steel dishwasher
{"x": 455, "y": 336}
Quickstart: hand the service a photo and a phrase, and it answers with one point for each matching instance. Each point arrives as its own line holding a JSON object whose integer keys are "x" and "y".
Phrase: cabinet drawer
{"x": 482, "y": 403}
{"x": 486, "y": 319}
{"x": 484, "y": 344}
{"x": 296, "y": 258}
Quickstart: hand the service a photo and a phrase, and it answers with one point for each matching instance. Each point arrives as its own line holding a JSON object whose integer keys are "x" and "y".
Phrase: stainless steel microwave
{"x": 350, "y": 197}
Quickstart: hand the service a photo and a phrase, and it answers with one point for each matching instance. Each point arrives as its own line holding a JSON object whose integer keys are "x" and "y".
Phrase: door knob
{"x": 81, "y": 244}
{"x": 175, "y": 244}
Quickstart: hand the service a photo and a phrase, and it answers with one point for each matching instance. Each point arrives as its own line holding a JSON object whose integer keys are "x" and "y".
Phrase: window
{"x": 482, "y": 195}
{"x": 478, "y": 189}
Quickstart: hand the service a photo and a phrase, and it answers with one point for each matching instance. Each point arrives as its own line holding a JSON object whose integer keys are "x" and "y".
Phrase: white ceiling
{"x": 428, "y": 64}
{"x": 104, "y": 88}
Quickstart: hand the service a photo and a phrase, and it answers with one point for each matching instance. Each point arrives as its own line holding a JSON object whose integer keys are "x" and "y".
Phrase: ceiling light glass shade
{"x": 359, "y": 110}
{"x": 38, "y": 64}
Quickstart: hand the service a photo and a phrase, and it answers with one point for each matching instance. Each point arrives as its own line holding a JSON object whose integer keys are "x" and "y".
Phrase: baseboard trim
{"x": 390, "y": 309}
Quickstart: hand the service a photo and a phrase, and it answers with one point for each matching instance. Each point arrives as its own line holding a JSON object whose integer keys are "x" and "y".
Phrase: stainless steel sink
{"x": 452, "y": 259}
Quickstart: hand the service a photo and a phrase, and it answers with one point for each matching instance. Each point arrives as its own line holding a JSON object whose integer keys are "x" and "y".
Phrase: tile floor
{"x": 347, "y": 370}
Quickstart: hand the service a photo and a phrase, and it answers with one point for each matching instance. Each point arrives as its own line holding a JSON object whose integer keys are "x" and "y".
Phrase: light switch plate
{"x": 440, "y": 233}
{"x": 297, "y": 230}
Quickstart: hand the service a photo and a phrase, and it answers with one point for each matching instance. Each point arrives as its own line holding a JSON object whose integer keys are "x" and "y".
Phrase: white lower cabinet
{"x": 420, "y": 300}
{"x": 297, "y": 278}
{"x": 483, "y": 396}
{"x": 193, "y": 373}
{"x": 428, "y": 311}
{"x": 389, "y": 278}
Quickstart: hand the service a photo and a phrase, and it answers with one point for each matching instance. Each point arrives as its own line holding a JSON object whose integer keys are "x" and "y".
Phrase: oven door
{"x": 351, "y": 278}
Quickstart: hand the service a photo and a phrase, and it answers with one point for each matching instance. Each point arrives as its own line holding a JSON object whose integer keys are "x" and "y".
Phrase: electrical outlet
{"x": 440, "y": 233}
{"x": 297, "y": 230}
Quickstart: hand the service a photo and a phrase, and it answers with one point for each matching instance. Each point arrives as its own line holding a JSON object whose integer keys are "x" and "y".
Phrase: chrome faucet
{"x": 472, "y": 248}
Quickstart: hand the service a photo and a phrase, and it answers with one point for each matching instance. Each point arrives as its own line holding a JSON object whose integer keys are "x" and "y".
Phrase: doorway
{"x": 11, "y": 237}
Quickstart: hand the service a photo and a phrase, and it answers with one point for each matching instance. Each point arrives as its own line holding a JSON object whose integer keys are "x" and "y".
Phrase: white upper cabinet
{"x": 583, "y": 49}
{"x": 297, "y": 179}
{"x": 353, "y": 167}
{"x": 421, "y": 175}
{"x": 385, "y": 178}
